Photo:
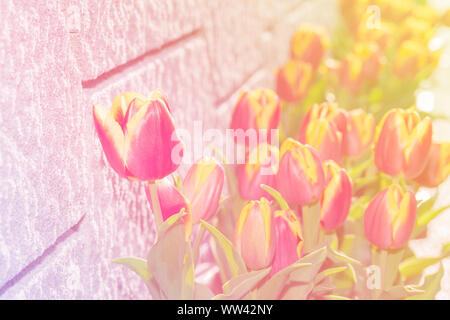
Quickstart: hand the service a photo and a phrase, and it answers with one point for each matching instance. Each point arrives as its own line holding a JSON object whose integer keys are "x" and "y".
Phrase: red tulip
{"x": 255, "y": 234}
{"x": 288, "y": 240}
{"x": 171, "y": 201}
{"x": 402, "y": 143}
{"x": 390, "y": 218}
{"x": 359, "y": 134}
{"x": 138, "y": 136}
{"x": 323, "y": 128}
{"x": 293, "y": 80}
{"x": 257, "y": 109}
{"x": 300, "y": 177}
{"x": 203, "y": 187}
{"x": 309, "y": 45}
{"x": 437, "y": 168}
{"x": 336, "y": 198}
{"x": 260, "y": 168}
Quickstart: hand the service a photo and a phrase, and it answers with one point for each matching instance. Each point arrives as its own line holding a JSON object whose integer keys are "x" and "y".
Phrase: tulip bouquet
{"x": 326, "y": 209}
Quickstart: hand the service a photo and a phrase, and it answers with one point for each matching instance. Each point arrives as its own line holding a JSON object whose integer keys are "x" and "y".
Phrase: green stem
{"x": 311, "y": 226}
{"x": 155, "y": 204}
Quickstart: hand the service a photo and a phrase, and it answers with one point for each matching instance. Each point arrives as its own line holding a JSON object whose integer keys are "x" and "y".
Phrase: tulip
{"x": 260, "y": 168}
{"x": 359, "y": 132}
{"x": 390, "y": 218}
{"x": 411, "y": 58}
{"x": 255, "y": 234}
{"x": 300, "y": 177}
{"x": 363, "y": 64}
{"x": 402, "y": 143}
{"x": 309, "y": 45}
{"x": 293, "y": 80}
{"x": 336, "y": 198}
{"x": 137, "y": 136}
{"x": 323, "y": 128}
{"x": 203, "y": 187}
{"x": 352, "y": 11}
{"x": 288, "y": 240}
{"x": 437, "y": 168}
{"x": 257, "y": 109}
{"x": 171, "y": 201}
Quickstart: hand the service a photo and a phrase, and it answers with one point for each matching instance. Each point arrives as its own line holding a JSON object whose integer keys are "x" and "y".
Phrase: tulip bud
{"x": 411, "y": 58}
{"x": 294, "y": 80}
{"x": 288, "y": 240}
{"x": 309, "y": 45}
{"x": 171, "y": 201}
{"x": 203, "y": 187}
{"x": 402, "y": 143}
{"x": 255, "y": 234}
{"x": 138, "y": 136}
{"x": 336, "y": 198}
{"x": 300, "y": 177}
{"x": 390, "y": 218}
{"x": 437, "y": 168}
{"x": 363, "y": 64}
{"x": 260, "y": 168}
{"x": 257, "y": 109}
{"x": 359, "y": 134}
{"x": 322, "y": 128}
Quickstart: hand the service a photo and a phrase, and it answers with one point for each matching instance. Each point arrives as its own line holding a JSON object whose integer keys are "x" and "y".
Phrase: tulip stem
{"x": 155, "y": 204}
{"x": 311, "y": 226}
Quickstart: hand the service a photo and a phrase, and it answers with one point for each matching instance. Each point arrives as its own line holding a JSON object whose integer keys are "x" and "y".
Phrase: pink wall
{"x": 64, "y": 213}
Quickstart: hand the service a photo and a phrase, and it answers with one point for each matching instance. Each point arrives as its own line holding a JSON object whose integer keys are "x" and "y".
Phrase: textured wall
{"x": 64, "y": 214}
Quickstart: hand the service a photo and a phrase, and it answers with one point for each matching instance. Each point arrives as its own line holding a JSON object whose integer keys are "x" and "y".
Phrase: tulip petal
{"x": 111, "y": 137}
{"x": 150, "y": 141}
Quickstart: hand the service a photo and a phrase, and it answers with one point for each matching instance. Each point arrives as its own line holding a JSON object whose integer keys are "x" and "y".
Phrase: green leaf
{"x": 329, "y": 272}
{"x": 277, "y": 196}
{"x": 239, "y": 286}
{"x": 170, "y": 261}
{"x": 414, "y": 266}
{"x": 138, "y": 265}
{"x": 425, "y": 218}
{"x": 273, "y": 288}
{"x": 431, "y": 286}
{"x": 234, "y": 263}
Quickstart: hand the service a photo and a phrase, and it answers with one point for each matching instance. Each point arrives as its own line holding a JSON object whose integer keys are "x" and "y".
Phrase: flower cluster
{"x": 306, "y": 218}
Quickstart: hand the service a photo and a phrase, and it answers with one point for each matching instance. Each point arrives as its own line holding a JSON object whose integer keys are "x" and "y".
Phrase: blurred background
{"x": 64, "y": 213}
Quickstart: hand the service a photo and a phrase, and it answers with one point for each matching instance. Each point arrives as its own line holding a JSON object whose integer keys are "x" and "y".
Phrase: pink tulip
{"x": 203, "y": 187}
{"x": 437, "y": 168}
{"x": 260, "y": 168}
{"x": 323, "y": 128}
{"x": 300, "y": 177}
{"x": 390, "y": 217}
{"x": 137, "y": 136}
{"x": 288, "y": 240}
{"x": 257, "y": 109}
{"x": 360, "y": 132}
{"x": 255, "y": 234}
{"x": 402, "y": 143}
{"x": 336, "y": 198}
{"x": 171, "y": 201}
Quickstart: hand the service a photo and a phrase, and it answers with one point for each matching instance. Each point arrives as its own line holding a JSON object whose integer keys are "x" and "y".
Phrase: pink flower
{"x": 138, "y": 136}
{"x": 300, "y": 177}
{"x": 336, "y": 198}
{"x": 260, "y": 168}
{"x": 255, "y": 234}
{"x": 203, "y": 186}
{"x": 390, "y": 217}
{"x": 171, "y": 201}
{"x": 288, "y": 240}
